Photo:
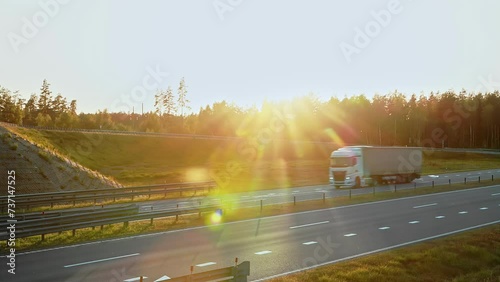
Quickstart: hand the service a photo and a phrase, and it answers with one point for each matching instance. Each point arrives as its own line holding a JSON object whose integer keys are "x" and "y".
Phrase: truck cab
{"x": 346, "y": 167}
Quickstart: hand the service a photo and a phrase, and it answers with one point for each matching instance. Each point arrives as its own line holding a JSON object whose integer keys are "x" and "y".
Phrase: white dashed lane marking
{"x": 440, "y": 216}
{"x": 350, "y": 235}
{"x": 310, "y": 243}
{"x": 424, "y": 206}
{"x": 463, "y": 212}
{"x": 100, "y": 260}
{"x": 384, "y": 228}
{"x": 483, "y": 208}
{"x": 263, "y": 253}
{"x": 310, "y": 224}
{"x": 414, "y": 222}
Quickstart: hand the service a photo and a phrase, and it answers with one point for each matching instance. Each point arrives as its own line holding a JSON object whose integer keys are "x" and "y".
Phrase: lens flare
{"x": 216, "y": 216}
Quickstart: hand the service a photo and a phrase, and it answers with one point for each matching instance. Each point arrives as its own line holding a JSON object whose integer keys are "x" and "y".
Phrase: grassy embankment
{"x": 234, "y": 164}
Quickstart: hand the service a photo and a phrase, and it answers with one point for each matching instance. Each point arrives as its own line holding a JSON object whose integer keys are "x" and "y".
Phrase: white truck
{"x": 360, "y": 166}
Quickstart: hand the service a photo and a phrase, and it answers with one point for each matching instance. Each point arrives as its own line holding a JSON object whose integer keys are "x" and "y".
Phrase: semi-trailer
{"x": 359, "y": 166}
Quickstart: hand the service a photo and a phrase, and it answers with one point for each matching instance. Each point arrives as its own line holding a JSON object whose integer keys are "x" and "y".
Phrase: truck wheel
{"x": 358, "y": 182}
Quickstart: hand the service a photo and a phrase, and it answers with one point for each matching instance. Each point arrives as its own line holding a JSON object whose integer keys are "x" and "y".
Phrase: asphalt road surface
{"x": 274, "y": 245}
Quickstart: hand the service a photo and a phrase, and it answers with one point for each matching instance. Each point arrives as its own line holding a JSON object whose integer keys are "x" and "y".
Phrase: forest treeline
{"x": 447, "y": 119}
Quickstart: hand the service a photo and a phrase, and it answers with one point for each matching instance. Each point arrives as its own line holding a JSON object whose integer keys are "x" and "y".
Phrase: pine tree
{"x": 182, "y": 101}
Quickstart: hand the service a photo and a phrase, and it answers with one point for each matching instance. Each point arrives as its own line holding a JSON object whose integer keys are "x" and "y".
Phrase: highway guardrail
{"x": 28, "y": 201}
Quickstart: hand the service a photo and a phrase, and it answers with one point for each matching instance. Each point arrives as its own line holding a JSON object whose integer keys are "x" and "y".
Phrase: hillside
{"x": 38, "y": 170}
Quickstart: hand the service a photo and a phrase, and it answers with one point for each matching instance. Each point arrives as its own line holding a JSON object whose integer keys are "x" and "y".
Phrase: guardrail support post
{"x": 465, "y": 180}
{"x": 432, "y": 183}
{"x": 449, "y": 181}
{"x": 74, "y": 232}
{"x": 102, "y": 227}
{"x": 479, "y": 179}
{"x": 350, "y": 193}
{"x": 492, "y": 177}
{"x": 294, "y": 201}
{"x": 324, "y": 197}
{"x": 395, "y": 187}
{"x": 373, "y": 190}
{"x": 125, "y": 224}
{"x": 261, "y": 205}
{"x": 151, "y": 222}
{"x": 43, "y": 237}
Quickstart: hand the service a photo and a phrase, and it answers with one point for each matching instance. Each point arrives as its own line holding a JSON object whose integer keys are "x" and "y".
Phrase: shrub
{"x": 44, "y": 155}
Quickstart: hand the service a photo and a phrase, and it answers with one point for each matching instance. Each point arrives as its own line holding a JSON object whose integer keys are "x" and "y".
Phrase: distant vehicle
{"x": 359, "y": 166}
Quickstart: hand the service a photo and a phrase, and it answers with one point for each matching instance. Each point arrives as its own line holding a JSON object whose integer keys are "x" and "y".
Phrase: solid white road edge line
{"x": 380, "y": 250}
{"x": 495, "y": 194}
{"x": 100, "y": 260}
{"x": 423, "y": 206}
{"x": 310, "y": 224}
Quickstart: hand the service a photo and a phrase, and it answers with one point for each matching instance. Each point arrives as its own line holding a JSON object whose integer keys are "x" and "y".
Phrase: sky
{"x": 115, "y": 54}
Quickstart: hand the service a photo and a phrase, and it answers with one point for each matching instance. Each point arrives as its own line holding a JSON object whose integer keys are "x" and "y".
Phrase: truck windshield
{"x": 341, "y": 162}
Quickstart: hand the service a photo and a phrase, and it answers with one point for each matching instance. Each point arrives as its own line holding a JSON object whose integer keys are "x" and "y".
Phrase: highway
{"x": 274, "y": 245}
{"x": 286, "y": 195}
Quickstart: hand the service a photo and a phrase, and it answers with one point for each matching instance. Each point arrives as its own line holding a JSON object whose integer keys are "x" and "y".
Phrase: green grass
{"x": 44, "y": 155}
{"x": 469, "y": 256}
